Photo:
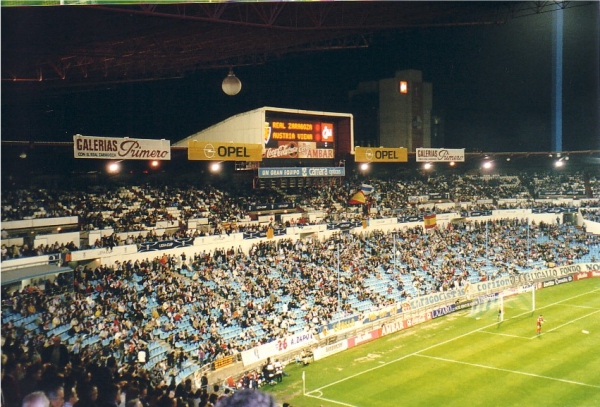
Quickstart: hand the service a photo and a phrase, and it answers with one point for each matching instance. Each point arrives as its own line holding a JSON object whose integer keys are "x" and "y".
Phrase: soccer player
{"x": 540, "y": 321}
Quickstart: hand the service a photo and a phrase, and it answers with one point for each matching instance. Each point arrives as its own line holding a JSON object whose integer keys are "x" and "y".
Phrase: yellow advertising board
{"x": 380, "y": 155}
{"x": 218, "y": 151}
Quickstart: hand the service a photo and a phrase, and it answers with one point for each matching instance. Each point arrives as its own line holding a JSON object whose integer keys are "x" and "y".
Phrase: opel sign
{"x": 203, "y": 150}
{"x": 380, "y": 154}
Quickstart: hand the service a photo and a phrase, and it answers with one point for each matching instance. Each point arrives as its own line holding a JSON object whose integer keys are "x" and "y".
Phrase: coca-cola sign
{"x": 285, "y": 150}
{"x": 298, "y": 150}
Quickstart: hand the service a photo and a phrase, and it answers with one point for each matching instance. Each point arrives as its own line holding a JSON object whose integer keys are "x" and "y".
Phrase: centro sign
{"x": 203, "y": 150}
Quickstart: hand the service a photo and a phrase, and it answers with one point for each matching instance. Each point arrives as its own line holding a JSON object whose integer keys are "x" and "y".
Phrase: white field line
{"x": 550, "y": 330}
{"x": 510, "y": 371}
{"x": 567, "y": 323}
{"x": 497, "y": 333}
{"x": 309, "y": 394}
{"x": 331, "y": 401}
{"x": 579, "y": 306}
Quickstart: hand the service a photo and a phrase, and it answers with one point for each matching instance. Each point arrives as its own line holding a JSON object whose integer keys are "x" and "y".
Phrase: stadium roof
{"x": 96, "y": 45}
{"x": 248, "y": 127}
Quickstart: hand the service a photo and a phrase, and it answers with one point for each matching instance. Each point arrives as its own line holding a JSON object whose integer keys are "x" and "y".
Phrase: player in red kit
{"x": 540, "y": 321}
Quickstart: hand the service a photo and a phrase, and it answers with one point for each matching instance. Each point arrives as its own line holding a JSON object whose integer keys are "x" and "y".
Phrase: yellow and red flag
{"x": 358, "y": 199}
{"x": 430, "y": 221}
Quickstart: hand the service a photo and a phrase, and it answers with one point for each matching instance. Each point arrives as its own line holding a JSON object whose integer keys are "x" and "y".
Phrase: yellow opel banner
{"x": 380, "y": 155}
{"x": 217, "y": 151}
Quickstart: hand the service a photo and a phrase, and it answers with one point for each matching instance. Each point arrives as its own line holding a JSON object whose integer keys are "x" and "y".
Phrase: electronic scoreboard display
{"x": 300, "y": 139}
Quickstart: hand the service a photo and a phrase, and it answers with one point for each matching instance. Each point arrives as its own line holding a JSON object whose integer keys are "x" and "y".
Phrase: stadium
{"x": 268, "y": 250}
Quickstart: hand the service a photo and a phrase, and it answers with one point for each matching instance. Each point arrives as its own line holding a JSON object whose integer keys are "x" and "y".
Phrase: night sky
{"x": 491, "y": 84}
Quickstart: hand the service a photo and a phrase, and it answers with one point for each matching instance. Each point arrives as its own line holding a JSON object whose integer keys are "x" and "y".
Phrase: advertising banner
{"x": 419, "y": 319}
{"x": 380, "y": 314}
{"x": 551, "y": 273}
{"x": 113, "y": 148}
{"x": 380, "y": 155}
{"x": 263, "y": 233}
{"x": 440, "y": 154}
{"x": 487, "y": 286}
{"x": 474, "y": 214}
{"x": 271, "y": 206}
{"x": 554, "y": 210}
{"x": 218, "y": 151}
{"x": 432, "y": 299}
{"x": 274, "y": 348}
{"x": 301, "y": 172}
{"x": 298, "y": 149}
{"x": 328, "y": 350}
{"x": 342, "y": 325}
{"x": 586, "y": 274}
{"x": 393, "y": 327}
{"x": 364, "y": 338}
{"x": 556, "y": 281}
{"x": 166, "y": 244}
{"x": 440, "y": 312}
{"x": 346, "y": 225}
{"x": 294, "y": 230}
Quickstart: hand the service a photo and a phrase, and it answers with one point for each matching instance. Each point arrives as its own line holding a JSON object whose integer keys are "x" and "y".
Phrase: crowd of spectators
{"x": 137, "y": 210}
{"x": 210, "y": 305}
{"x": 128, "y": 331}
{"x": 127, "y": 209}
{"x": 591, "y": 214}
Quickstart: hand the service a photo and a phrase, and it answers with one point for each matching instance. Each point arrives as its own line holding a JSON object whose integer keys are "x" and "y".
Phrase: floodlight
{"x": 231, "y": 84}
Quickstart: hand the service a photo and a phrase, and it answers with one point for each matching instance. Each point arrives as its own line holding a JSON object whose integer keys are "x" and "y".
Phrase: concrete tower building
{"x": 404, "y": 110}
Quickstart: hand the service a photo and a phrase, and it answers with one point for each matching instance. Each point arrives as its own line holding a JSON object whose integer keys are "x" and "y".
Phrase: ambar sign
{"x": 205, "y": 150}
{"x": 380, "y": 154}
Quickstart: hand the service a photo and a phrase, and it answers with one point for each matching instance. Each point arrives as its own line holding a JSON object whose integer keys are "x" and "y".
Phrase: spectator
{"x": 247, "y": 398}
{"x": 36, "y": 399}
{"x": 56, "y": 395}
{"x": 57, "y": 353}
{"x": 12, "y": 372}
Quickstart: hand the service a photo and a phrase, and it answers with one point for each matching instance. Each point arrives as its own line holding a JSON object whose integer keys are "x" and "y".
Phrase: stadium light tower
{"x": 338, "y": 278}
{"x": 486, "y": 244}
{"x": 394, "y": 235}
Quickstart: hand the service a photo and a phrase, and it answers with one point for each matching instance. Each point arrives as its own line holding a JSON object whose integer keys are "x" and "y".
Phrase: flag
{"x": 357, "y": 199}
{"x": 366, "y": 189}
{"x": 430, "y": 221}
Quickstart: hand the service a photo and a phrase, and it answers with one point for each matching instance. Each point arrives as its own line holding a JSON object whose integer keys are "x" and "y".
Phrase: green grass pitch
{"x": 469, "y": 359}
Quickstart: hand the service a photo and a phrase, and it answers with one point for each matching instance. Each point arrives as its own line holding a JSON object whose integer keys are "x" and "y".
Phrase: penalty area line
{"x": 509, "y": 371}
{"x": 329, "y": 400}
{"x": 567, "y": 323}
{"x": 435, "y": 346}
{"x": 501, "y": 334}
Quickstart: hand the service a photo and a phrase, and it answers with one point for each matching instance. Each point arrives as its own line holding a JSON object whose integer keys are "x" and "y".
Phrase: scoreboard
{"x": 299, "y": 139}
